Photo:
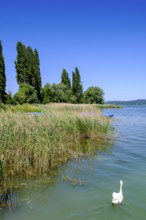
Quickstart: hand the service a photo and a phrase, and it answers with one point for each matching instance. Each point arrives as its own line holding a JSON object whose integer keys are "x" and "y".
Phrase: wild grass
{"x": 21, "y": 108}
{"x": 36, "y": 144}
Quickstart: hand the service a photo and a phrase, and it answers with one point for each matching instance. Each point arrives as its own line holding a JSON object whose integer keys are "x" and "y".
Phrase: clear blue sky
{"x": 105, "y": 39}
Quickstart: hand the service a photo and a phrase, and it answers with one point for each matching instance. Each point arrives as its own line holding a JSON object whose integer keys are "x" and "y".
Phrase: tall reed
{"x": 35, "y": 144}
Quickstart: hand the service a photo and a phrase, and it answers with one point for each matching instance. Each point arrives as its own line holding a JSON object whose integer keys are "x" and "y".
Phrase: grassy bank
{"x": 33, "y": 144}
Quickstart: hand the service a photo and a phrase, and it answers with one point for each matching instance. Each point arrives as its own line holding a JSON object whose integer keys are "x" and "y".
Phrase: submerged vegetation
{"x": 34, "y": 144}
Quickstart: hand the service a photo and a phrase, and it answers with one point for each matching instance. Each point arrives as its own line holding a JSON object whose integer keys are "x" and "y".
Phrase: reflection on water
{"x": 83, "y": 187}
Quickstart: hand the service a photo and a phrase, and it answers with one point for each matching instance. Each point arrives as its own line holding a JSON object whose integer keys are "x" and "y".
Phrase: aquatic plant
{"x": 36, "y": 144}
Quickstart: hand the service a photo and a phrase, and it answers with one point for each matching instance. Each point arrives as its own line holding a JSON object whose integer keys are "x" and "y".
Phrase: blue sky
{"x": 105, "y": 39}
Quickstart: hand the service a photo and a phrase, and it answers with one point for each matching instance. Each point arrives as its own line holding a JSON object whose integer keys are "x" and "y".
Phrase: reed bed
{"x": 104, "y": 106}
{"x": 36, "y": 144}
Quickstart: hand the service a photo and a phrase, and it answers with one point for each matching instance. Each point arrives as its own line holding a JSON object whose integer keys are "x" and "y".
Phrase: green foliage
{"x": 28, "y": 67}
{"x": 47, "y": 94}
{"x": 38, "y": 81}
{"x": 77, "y": 88}
{"x": 65, "y": 79}
{"x": 73, "y": 99}
{"x": 57, "y": 93}
{"x": 28, "y": 77}
{"x": 33, "y": 70}
{"x": 26, "y": 94}
{"x": 93, "y": 95}
{"x": 61, "y": 93}
{"x": 9, "y": 99}
{"x": 2, "y": 74}
{"x": 21, "y": 64}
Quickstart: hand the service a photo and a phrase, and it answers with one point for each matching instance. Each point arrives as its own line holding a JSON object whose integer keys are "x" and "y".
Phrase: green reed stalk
{"x": 35, "y": 144}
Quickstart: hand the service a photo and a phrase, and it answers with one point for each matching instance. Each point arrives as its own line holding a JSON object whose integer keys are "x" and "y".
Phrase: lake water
{"x": 88, "y": 196}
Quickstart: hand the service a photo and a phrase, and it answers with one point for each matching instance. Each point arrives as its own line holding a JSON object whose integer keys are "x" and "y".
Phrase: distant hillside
{"x": 133, "y": 102}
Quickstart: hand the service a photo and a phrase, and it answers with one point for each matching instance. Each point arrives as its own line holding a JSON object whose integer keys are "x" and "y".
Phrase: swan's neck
{"x": 121, "y": 187}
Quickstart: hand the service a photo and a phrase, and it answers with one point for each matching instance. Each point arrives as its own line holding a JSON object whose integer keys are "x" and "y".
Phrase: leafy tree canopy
{"x": 47, "y": 94}
{"x": 65, "y": 79}
{"x": 26, "y": 94}
{"x": 28, "y": 67}
{"x": 94, "y": 95}
{"x": 61, "y": 93}
{"x": 77, "y": 87}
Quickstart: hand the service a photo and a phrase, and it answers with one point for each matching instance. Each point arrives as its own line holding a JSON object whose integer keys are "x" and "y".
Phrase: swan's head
{"x": 121, "y": 182}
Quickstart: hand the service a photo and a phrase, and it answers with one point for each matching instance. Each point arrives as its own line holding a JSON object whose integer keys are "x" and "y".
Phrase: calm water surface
{"x": 89, "y": 196}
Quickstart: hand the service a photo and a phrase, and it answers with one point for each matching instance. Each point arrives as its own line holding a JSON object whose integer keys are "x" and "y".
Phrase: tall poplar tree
{"x": 28, "y": 68}
{"x": 65, "y": 79}
{"x": 21, "y": 64}
{"x": 38, "y": 80}
{"x": 2, "y": 74}
{"x": 77, "y": 87}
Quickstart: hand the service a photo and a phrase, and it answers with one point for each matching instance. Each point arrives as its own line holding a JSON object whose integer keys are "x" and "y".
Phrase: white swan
{"x": 117, "y": 198}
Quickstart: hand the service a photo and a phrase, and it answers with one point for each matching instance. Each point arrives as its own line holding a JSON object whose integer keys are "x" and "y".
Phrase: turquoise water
{"x": 83, "y": 189}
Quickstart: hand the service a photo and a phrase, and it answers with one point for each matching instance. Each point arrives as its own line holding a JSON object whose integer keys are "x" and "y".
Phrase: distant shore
{"x": 132, "y": 102}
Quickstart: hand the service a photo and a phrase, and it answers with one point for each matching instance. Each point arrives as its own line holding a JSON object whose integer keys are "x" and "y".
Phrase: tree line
{"x": 30, "y": 90}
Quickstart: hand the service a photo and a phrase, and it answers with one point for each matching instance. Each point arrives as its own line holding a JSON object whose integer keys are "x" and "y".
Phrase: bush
{"x": 26, "y": 94}
{"x": 93, "y": 95}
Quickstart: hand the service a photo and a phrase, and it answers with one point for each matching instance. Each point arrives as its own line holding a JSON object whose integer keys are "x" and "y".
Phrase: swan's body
{"x": 117, "y": 198}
